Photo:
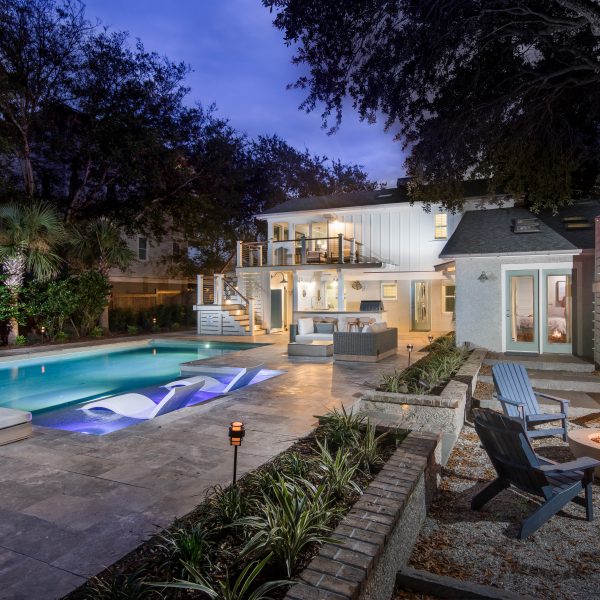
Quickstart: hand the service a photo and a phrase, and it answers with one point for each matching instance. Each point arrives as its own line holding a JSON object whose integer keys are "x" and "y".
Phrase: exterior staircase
{"x": 224, "y": 310}
{"x": 552, "y": 372}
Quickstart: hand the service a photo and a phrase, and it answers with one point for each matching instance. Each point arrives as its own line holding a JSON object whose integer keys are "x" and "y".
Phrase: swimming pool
{"x": 53, "y": 386}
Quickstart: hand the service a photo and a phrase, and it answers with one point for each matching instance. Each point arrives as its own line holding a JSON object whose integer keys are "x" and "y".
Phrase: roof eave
{"x": 569, "y": 252}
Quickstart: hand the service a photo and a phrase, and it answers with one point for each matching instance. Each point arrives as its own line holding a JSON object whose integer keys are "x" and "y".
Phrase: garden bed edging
{"x": 420, "y": 412}
{"x": 377, "y": 536}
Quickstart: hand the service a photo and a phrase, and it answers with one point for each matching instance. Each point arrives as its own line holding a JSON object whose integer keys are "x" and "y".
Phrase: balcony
{"x": 337, "y": 250}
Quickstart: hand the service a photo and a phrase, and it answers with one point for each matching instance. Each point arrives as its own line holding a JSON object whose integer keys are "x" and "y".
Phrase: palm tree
{"x": 100, "y": 244}
{"x": 29, "y": 235}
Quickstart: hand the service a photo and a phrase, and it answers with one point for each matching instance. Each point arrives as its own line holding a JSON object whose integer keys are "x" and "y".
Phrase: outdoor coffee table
{"x": 317, "y": 349}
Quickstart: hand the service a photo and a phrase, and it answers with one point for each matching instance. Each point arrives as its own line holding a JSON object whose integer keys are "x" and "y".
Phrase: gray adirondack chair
{"x": 518, "y": 400}
{"x": 509, "y": 449}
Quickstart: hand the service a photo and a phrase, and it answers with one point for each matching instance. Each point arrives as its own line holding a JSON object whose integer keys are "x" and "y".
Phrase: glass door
{"x": 421, "y": 306}
{"x": 557, "y": 311}
{"x": 522, "y": 311}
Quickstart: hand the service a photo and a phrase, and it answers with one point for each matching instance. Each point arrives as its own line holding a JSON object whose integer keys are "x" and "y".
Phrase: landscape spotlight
{"x": 236, "y": 434}
{"x": 409, "y": 347}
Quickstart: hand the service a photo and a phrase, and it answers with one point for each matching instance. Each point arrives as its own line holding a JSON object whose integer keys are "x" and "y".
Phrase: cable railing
{"x": 302, "y": 251}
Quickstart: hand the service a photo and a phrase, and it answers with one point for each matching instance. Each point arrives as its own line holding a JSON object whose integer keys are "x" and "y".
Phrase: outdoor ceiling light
{"x": 483, "y": 277}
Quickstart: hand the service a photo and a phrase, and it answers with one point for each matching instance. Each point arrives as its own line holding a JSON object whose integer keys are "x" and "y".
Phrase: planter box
{"x": 376, "y": 537}
{"x": 444, "y": 413}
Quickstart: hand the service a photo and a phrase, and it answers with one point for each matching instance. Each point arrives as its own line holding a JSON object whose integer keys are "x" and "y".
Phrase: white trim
{"x": 444, "y": 285}
{"x": 539, "y": 267}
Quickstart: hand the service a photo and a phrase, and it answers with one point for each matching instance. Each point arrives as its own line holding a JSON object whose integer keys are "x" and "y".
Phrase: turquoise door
{"x": 522, "y": 303}
{"x": 557, "y": 301}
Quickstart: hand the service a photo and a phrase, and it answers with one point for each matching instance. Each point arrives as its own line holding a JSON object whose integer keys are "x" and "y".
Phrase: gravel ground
{"x": 561, "y": 560}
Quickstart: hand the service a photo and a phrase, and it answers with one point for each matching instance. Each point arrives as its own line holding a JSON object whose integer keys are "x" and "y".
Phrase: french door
{"x": 539, "y": 311}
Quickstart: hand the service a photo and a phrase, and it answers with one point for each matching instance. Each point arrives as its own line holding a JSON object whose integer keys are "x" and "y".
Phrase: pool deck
{"x": 72, "y": 504}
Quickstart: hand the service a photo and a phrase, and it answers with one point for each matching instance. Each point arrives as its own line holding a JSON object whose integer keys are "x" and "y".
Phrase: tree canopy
{"x": 502, "y": 89}
{"x": 101, "y": 127}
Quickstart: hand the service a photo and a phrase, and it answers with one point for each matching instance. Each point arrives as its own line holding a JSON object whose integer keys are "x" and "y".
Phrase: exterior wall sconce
{"x": 236, "y": 434}
{"x": 410, "y": 348}
{"x": 483, "y": 277}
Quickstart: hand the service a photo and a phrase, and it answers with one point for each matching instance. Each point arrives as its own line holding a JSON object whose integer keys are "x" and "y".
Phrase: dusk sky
{"x": 241, "y": 63}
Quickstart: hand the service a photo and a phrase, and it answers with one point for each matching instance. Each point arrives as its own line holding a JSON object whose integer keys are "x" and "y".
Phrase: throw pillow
{"x": 306, "y": 326}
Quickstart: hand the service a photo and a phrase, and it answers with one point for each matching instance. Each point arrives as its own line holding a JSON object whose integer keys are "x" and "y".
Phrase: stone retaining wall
{"x": 444, "y": 413}
{"x": 377, "y": 536}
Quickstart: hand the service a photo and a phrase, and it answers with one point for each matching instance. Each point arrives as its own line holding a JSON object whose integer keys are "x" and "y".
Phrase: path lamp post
{"x": 409, "y": 347}
{"x": 430, "y": 338}
{"x": 236, "y": 434}
{"x": 42, "y": 331}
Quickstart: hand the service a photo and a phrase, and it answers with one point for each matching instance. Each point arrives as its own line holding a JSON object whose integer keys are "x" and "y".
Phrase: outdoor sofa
{"x": 374, "y": 343}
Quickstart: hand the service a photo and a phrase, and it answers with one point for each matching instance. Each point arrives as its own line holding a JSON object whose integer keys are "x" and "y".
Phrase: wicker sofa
{"x": 374, "y": 344}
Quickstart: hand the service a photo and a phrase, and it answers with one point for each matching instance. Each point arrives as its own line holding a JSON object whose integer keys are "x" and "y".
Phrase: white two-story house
{"x": 366, "y": 254}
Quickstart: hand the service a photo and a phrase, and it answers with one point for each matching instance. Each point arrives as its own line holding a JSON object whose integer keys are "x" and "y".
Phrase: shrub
{"x": 337, "y": 471}
{"x": 62, "y": 336}
{"x": 430, "y": 372}
{"x": 293, "y": 516}
{"x": 191, "y": 545}
{"x": 367, "y": 448}
{"x": 97, "y": 332}
{"x": 132, "y": 329}
{"x": 92, "y": 290}
{"x": 227, "y": 505}
{"x": 123, "y": 587}
{"x": 341, "y": 427}
{"x": 229, "y": 588}
{"x": 20, "y": 340}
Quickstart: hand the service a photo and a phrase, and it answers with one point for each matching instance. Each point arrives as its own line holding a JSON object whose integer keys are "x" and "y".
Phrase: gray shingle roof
{"x": 488, "y": 231}
{"x": 397, "y": 195}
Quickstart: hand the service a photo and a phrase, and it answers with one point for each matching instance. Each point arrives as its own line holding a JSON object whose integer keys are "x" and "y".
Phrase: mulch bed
{"x": 561, "y": 560}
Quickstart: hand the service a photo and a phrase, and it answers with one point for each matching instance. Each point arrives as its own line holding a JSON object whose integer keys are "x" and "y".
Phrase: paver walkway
{"x": 72, "y": 504}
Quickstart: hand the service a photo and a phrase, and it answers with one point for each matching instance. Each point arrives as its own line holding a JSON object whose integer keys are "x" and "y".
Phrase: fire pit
{"x": 585, "y": 442}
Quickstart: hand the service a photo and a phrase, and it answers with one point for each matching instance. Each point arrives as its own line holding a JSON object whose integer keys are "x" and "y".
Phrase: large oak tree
{"x": 503, "y": 89}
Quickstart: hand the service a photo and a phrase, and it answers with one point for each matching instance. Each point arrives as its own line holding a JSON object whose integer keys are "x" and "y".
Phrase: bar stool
{"x": 352, "y": 324}
{"x": 364, "y": 322}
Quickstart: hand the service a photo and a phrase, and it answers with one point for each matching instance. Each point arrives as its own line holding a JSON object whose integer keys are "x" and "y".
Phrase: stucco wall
{"x": 479, "y": 305}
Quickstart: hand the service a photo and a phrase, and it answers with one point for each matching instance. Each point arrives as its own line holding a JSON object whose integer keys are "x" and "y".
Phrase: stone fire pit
{"x": 585, "y": 442}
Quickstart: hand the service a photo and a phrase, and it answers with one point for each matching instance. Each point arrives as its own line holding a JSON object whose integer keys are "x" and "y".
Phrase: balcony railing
{"x": 337, "y": 250}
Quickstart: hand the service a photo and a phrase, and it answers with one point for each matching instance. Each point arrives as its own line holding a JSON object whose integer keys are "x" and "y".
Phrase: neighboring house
{"x": 150, "y": 280}
{"x": 326, "y": 255}
{"x": 524, "y": 281}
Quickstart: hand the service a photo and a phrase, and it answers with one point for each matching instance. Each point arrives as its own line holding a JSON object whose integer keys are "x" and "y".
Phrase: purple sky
{"x": 240, "y": 62}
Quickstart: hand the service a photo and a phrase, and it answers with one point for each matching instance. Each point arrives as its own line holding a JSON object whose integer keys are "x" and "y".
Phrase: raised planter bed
{"x": 375, "y": 539}
{"x": 444, "y": 413}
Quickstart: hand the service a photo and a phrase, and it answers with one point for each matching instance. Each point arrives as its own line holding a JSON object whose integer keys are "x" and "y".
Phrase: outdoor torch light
{"x": 236, "y": 434}
{"x": 409, "y": 347}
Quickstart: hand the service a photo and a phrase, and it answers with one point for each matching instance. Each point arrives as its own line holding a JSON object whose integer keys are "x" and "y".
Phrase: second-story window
{"x": 441, "y": 226}
{"x": 142, "y": 248}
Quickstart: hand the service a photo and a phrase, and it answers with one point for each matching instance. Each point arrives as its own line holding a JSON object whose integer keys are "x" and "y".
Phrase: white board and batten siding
{"x": 402, "y": 235}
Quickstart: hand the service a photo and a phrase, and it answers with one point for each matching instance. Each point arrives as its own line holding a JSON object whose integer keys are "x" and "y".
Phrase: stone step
{"x": 558, "y": 380}
{"x": 544, "y": 362}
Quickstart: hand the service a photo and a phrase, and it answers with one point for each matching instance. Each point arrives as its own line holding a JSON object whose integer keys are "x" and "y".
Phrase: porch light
{"x": 236, "y": 434}
{"x": 483, "y": 277}
{"x": 409, "y": 347}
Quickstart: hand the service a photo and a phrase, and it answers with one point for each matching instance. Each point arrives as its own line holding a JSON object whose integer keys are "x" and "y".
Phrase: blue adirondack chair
{"x": 508, "y": 447}
{"x": 518, "y": 399}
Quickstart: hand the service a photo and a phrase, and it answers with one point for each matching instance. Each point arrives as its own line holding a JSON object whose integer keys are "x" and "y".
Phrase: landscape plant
{"x": 250, "y": 540}
{"x": 431, "y": 372}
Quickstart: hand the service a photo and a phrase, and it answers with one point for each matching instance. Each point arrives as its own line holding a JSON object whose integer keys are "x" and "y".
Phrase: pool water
{"x": 54, "y": 387}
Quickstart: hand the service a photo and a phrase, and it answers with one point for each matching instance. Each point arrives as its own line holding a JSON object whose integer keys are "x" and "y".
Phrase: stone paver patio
{"x": 72, "y": 504}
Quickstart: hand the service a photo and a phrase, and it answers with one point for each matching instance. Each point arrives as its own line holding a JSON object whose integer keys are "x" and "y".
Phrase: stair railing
{"x": 227, "y": 288}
